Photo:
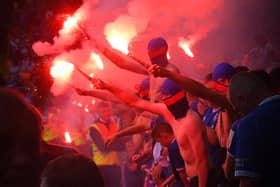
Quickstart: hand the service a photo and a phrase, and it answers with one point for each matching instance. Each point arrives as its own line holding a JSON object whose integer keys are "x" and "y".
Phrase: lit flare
{"x": 62, "y": 70}
{"x": 186, "y": 46}
{"x": 97, "y": 59}
{"x": 67, "y": 137}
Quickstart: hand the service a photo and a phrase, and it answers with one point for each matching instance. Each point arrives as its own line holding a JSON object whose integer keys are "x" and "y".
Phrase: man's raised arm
{"x": 100, "y": 94}
{"x": 121, "y": 60}
{"x": 191, "y": 86}
{"x": 133, "y": 100}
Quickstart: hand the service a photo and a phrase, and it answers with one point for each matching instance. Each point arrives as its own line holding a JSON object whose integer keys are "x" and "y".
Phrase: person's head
{"x": 20, "y": 139}
{"x": 274, "y": 79}
{"x": 104, "y": 111}
{"x": 143, "y": 88}
{"x": 239, "y": 69}
{"x": 127, "y": 117}
{"x": 247, "y": 90}
{"x": 221, "y": 76}
{"x": 74, "y": 170}
{"x": 157, "y": 51}
{"x": 174, "y": 98}
{"x": 163, "y": 133}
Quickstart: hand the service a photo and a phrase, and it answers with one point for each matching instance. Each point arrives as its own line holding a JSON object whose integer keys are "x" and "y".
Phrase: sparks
{"x": 61, "y": 70}
{"x": 185, "y": 45}
{"x": 67, "y": 137}
{"x": 97, "y": 59}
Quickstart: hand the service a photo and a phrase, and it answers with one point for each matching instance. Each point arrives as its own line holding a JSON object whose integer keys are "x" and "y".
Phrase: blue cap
{"x": 145, "y": 84}
{"x": 157, "y": 50}
{"x": 169, "y": 87}
{"x": 223, "y": 70}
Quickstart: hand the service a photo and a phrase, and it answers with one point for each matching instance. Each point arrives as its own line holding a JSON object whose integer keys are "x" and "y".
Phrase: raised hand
{"x": 156, "y": 70}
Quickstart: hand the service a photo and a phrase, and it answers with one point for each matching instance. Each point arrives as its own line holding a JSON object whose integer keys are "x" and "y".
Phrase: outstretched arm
{"x": 104, "y": 95}
{"x": 191, "y": 86}
{"x": 126, "y": 132}
{"x": 121, "y": 60}
{"x": 133, "y": 100}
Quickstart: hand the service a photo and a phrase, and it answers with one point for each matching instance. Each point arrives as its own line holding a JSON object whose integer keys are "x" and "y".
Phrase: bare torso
{"x": 182, "y": 128}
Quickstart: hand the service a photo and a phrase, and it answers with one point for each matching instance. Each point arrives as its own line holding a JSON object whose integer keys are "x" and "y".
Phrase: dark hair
{"x": 161, "y": 127}
{"x": 241, "y": 69}
{"x": 74, "y": 170}
{"x": 274, "y": 78}
{"x": 262, "y": 75}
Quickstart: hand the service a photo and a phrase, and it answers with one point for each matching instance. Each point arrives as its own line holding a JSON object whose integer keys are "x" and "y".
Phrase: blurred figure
{"x": 256, "y": 137}
{"x": 72, "y": 171}
{"x": 107, "y": 160}
{"x": 20, "y": 141}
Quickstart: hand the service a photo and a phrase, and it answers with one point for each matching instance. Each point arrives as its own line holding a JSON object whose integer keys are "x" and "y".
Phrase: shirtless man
{"x": 222, "y": 74}
{"x": 186, "y": 124}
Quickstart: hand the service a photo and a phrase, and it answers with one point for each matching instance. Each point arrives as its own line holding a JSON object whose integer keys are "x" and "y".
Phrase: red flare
{"x": 186, "y": 46}
{"x": 67, "y": 137}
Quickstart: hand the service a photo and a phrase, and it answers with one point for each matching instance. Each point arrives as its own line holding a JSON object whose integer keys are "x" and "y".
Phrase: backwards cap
{"x": 223, "y": 70}
{"x": 157, "y": 50}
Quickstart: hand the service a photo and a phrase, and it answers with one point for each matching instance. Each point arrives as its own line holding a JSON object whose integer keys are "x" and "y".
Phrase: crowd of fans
{"x": 173, "y": 131}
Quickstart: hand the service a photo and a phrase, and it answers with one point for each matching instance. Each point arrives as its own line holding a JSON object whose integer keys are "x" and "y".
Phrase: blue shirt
{"x": 257, "y": 143}
{"x": 210, "y": 117}
{"x": 176, "y": 160}
{"x": 232, "y": 139}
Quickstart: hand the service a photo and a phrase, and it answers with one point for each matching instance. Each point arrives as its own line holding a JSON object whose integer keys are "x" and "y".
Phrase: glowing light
{"x": 70, "y": 24}
{"x": 86, "y": 110}
{"x": 97, "y": 59}
{"x": 120, "y": 32}
{"x": 91, "y": 86}
{"x": 93, "y": 102}
{"x": 168, "y": 56}
{"x": 118, "y": 42}
{"x": 91, "y": 75}
{"x": 185, "y": 45}
{"x": 61, "y": 70}
{"x": 80, "y": 104}
{"x": 67, "y": 137}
